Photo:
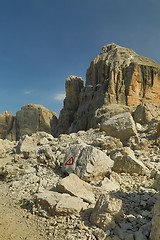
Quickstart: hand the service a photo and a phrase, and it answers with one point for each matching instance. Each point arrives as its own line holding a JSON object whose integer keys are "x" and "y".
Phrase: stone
{"x": 46, "y": 156}
{"x": 6, "y": 124}
{"x": 116, "y": 76}
{"x": 125, "y": 161}
{"x": 99, "y": 234}
{"x": 59, "y": 204}
{"x": 156, "y": 183}
{"x": 6, "y": 147}
{"x": 120, "y": 126}
{"x": 27, "y": 146}
{"x": 87, "y": 162}
{"x": 36, "y": 146}
{"x": 33, "y": 118}
{"x": 108, "y": 185}
{"x": 146, "y": 112}
{"x": 74, "y": 186}
{"x": 73, "y": 88}
{"x": 106, "y": 211}
{"x": 158, "y": 129}
{"x": 129, "y": 237}
{"x": 155, "y": 228}
{"x": 139, "y": 236}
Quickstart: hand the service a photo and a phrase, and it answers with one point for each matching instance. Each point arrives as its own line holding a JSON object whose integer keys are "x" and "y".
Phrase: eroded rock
{"x": 87, "y": 162}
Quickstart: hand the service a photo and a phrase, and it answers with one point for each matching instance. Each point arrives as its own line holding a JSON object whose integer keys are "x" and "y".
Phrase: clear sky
{"x": 42, "y": 42}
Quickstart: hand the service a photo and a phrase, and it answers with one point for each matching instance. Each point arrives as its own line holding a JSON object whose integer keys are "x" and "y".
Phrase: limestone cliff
{"x": 116, "y": 76}
{"x": 33, "y": 118}
{"x": 6, "y": 123}
{"x": 30, "y": 119}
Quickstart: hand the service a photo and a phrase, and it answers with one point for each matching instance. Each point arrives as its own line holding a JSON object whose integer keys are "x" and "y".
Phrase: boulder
{"x": 33, "y": 118}
{"x": 27, "y": 146}
{"x": 33, "y": 146}
{"x": 6, "y": 147}
{"x": 146, "y": 112}
{"x": 87, "y": 162}
{"x": 125, "y": 161}
{"x": 74, "y": 186}
{"x": 158, "y": 129}
{"x": 156, "y": 184}
{"x": 106, "y": 211}
{"x": 155, "y": 229}
{"x": 121, "y": 126}
{"x": 59, "y": 204}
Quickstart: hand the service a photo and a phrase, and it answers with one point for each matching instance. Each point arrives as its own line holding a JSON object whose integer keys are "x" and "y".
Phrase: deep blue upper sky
{"x": 42, "y": 42}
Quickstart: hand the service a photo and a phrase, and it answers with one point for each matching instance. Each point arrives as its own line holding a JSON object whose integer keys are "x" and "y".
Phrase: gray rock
{"x": 125, "y": 161}
{"x": 155, "y": 229}
{"x": 121, "y": 126}
{"x": 89, "y": 163}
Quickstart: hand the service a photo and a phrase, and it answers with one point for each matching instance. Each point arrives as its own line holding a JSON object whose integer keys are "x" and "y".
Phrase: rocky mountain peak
{"x": 118, "y": 75}
{"x": 122, "y": 56}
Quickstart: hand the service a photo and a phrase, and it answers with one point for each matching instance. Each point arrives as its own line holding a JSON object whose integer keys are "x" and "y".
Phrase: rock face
{"x": 33, "y": 118}
{"x": 30, "y": 119}
{"x": 116, "y": 76}
{"x": 73, "y": 88}
{"x": 6, "y": 124}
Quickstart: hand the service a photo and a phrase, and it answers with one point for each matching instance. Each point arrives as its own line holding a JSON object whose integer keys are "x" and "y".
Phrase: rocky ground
{"x": 87, "y": 185}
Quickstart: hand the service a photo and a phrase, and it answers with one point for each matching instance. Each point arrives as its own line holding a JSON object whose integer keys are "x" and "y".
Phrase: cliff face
{"x": 30, "y": 119}
{"x": 118, "y": 80}
{"x": 116, "y": 76}
{"x": 127, "y": 77}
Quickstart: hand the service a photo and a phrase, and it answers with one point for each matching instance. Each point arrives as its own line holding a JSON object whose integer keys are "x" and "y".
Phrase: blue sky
{"x": 42, "y": 42}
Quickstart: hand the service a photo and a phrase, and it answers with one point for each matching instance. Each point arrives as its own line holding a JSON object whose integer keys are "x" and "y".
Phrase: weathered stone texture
{"x": 6, "y": 124}
{"x": 116, "y": 76}
{"x": 33, "y": 118}
{"x": 121, "y": 126}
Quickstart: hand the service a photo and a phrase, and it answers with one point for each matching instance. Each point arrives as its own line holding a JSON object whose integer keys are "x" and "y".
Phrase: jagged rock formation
{"x": 6, "y": 124}
{"x": 30, "y": 119}
{"x": 73, "y": 86}
{"x": 117, "y": 81}
{"x": 117, "y": 76}
{"x": 118, "y": 205}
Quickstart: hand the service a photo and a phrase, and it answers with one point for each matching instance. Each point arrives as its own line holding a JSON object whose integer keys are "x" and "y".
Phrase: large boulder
{"x": 121, "y": 126}
{"x": 126, "y": 162}
{"x": 145, "y": 112}
{"x": 6, "y": 147}
{"x": 155, "y": 230}
{"x": 73, "y": 185}
{"x": 33, "y": 118}
{"x": 106, "y": 211}
{"x": 59, "y": 204}
{"x": 87, "y": 162}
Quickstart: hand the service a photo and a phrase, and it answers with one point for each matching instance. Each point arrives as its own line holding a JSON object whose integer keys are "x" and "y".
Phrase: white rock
{"x": 74, "y": 186}
{"x": 121, "y": 126}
